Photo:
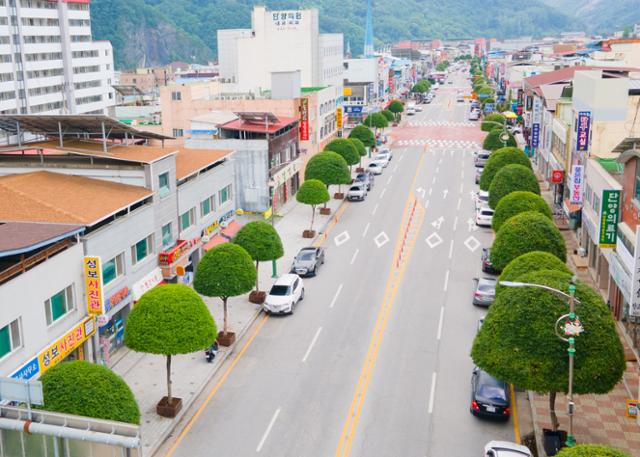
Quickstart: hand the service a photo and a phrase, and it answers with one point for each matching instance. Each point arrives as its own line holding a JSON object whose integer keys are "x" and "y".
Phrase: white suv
{"x": 285, "y": 293}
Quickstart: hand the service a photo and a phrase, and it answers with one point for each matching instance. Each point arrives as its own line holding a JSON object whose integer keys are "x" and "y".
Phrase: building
{"x": 363, "y": 88}
{"x": 148, "y": 80}
{"x": 49, "y": 62}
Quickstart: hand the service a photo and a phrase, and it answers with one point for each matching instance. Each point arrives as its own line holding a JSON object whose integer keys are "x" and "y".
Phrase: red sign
{"x": 166, "y": 258}
{"x": 304, "y": 119}
{"x": 557, "y": 176}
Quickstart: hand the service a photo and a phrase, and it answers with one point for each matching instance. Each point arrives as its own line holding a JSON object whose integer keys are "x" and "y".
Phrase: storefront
{"x": 286, "y": 183}
{"x": 111, "y": 324}
{"x": 179, "y": 262}
{"x": 619, "y": 287}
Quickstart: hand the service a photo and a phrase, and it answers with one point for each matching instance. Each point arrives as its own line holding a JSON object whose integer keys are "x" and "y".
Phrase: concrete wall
{"x": 361, "y": 70}
{"x": 228, "y": 51}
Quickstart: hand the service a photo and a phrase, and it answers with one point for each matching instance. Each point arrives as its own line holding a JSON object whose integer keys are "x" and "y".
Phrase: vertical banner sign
{"x": 93, "y": 285}
{"x": 577, "y": 177}
{"x": 339, "y": 117}
{"x": 304, "y": 119}
{"x": 582, "y": 135}
{"x": 609, "y": 212}
{"x": 536, "y": 120}
{"x": 634, "y": 306}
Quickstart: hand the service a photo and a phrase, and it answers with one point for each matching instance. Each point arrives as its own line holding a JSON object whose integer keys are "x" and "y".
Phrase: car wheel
{"x": 314, "y": 272}
{"x": 302, "y": 295}
{"x": 293, "y": 304}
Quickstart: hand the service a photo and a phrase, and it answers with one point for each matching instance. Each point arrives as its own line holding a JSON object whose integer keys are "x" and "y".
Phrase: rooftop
{"x": 566, "y": 74}
{"x": 270, "y": 124}
{"x": 20, "y": 237}
{"x": 191, "y": 161}
{"x": 43, "y": 196}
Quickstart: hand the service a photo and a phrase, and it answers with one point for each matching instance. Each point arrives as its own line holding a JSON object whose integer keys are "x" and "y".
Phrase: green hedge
{"x": 530, "y": 262}
{"x": 346, "y": 149}
{"x": 493, "y": 141}
{"x": 364, "y": 134}
{"x": 512, "y": 178}
{"x": 499, "y": 159}
{"x": 516, "y": 203}
{"x": 488, "y": 123}
{"x": 591, "y": 450}
{"x": 329, "y": 167}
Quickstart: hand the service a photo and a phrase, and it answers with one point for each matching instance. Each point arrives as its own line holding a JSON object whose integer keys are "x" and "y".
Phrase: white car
{"x": 285, "y": 293}
{"x": 375, "y": 167}
{"x": 474, "y": 115}
{"x": 482, "y": 199}
{"x": 484, "y": 216}
{"x": 357, "y": 191}
{"x": 418, "y": 108}
{"x": 382, "y": 158}
{"x": 385, "y": 150}
{"x": 506, "y": 449}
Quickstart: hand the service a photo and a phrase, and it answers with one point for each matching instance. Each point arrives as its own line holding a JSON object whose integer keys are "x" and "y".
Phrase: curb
{"x": 536, "y": 429}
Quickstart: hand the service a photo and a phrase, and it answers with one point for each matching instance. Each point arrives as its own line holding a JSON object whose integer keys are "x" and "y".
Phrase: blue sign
{"x": 584, "y": 126}
{"x": 488, "y": 108}
{"x": 514, "y": 106}
{"x": 28, "y": 370}
{"x": 353, "y": 109}
{"x": 481, "y": 96}
{"x": 535, "y": 135}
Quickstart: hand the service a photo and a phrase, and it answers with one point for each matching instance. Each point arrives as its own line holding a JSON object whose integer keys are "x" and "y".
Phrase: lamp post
{"x": 571, "y": 327}
{"x": 272, "y": 194}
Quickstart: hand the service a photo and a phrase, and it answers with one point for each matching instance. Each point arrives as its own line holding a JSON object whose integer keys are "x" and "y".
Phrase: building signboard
{"x": 93, "y": 285}
{"x": 117, "y": 298}
{"x": 536, "y": 120}
{"x": 339, "y": 117}
{"x": 28, "y": 370}
{"x": 620, "y": 275}
{"x": 634, "y": 304}
{"x": 557, "y": 176}
{"x": 167, "y": 258}
{"x": 304, "y": 119}
{"x": 609, "y": 215}
{"x": 353, "y": 109}
{"x": 535, "y": 135}
{"x": 577, "y": 183}
{"x": 583, "y": 128}
{"x": 146, "y": 283}
{"x": 286, "y": 20}
{"x": 67, "y": 343}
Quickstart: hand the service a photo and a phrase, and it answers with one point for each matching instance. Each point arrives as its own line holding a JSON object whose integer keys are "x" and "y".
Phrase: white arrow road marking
{"x": 438, "y": 223}
{"x": 472, "y": 244}
{"x": 472, "y": 225}
{"x": 433, "y": 240}
{"x": 341, "y": 238}
{"x": 381, "y": 239}
{"x": 421, "y": 192}
{"x": 444, "y": 193}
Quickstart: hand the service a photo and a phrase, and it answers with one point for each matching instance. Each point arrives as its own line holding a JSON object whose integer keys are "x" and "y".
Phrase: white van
{"x": 411, "y": 108}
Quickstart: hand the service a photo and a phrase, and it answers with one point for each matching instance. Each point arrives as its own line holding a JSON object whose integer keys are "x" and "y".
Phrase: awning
{"x": 214, "y": 241}
{"x": 510, "y": 115}
{"x": 231, "y": 230}
{"x": 571, "y": 207}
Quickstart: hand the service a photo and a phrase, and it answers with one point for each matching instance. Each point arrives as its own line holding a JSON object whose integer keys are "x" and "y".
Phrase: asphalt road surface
{"x": 375, "y": 361}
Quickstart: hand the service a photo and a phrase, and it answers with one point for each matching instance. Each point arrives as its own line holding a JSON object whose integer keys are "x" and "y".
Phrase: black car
{"x": 489, "y": 396}
{"x": 307, "y": 261}
{"x": 487, "y": 266}
{"x": 366, "y": 177}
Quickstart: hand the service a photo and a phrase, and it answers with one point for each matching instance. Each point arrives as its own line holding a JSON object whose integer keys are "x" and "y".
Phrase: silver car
{"x": 307, "y": 261}
{"x": 485, "y": 291}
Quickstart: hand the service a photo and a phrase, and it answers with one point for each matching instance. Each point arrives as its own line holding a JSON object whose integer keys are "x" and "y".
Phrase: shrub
{"x": 261, "y": 241}
{"x": 346, "y": 149}
{"x": 388, "y": 114}
{"x": 328, "y": 167}
{"x": 591, "y": 450}
{"x": 88, "y": 389}
{"x": 490, "y": 120}
{"x": 396, "y": 107}
{"x": 359, "y": 145}
{"x": 497, "y": 160}
{"x": 312, "y": 192}
{"x": 530, "y": 262}
{"x": 512, "y": 178}
{"x": 493, "y": 141}
{"x": 376, "y": 120}
{"x": 516, "y": 203}
{"x": 364, "y": 134}
{"x": 524, "y": 233}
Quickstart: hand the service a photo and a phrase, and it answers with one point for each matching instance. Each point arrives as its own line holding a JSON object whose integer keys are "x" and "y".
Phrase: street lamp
{"x": 571, "y": 328}
{"x": 504, "y": 136}
{"x": 272, "y": 193}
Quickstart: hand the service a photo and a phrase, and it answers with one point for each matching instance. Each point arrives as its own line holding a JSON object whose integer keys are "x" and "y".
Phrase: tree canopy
{"x": 526, "y": 232}
{"x": 492, "y": 141}
{"x": 499, "y": 159}
{"x": 261, "y": 240}
{"x": 328, "y": 167}
{"x": 359, "y": 145}
{"x": 88, "y": 389}
{"x": 490, "y": 121}
{"x": 591, "y": 450}
{"x": 512, "y": 178}
{"x": 346, "y": 149}
{"x": 529, "y": 262}
{"x": 226, "y": 270}
{"x": 396, "y": 107}
{"x": 376, "y": 120}
{"x": 516, "y": 203}
{"x": 388, "y": 114}
{"x": 312, "y": 192}
{"x": 364, "y": 134}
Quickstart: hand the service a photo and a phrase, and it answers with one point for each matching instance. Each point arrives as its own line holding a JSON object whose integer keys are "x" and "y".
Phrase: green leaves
{"x": 364, "y": 134}
{"x": 509, "y": 179}
{"x": 88, "y": 389}
{"x": 173, "y": 319}
{"x": 499, "y": 159}
{"x": 312, "y": 192}
{"x": 328, "y": 167}
{"x": 530, "y": 262}
{"x": 493, "y": 141}
{"x": 591, "y": 450}
{"x": 359, "y": 145}
{"x": 376, "y": 120}
{"x": 516, "y": 203}
{"x": 490, "y": 121}
{"x": 396, "y": 107}
{"x": 346, "y": 149}
{"x": 226, "y": 270}
{"x": 260, "y": 240}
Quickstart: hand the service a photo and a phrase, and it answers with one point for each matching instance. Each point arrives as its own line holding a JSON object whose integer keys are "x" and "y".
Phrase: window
{"x": 10, "y": 338}
{"x": 167, "y": 235}
{"x": 176, "y": 96}
{"x": 163, "y": 188}
{"x": 90, "y": 99}
{"x": 113, "y": 268}
{"x": 142, "y": 249}
{"x": 225, "y": 194}
{"x": 207, "y": 205}
{"x": 59, "y": 305}
{"x": 177, "y": 133}
{"x": 187, "y": 219}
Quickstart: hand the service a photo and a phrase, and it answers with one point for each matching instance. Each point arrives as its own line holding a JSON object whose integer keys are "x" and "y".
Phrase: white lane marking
{"x": 355, "y": 254}
{"x": 366, "y": 229}
{"x": 437, "y": 170}
{"x": 462, "y": 174}
{"x": 432, "y": 394}
{"x": 268, "y": 430}
{"x": 433, "y": 240}
{"x": 335, "y": 297}
{"x": 400, "y": 159}
{"x": 440, "y": 322}
{"x": 446, "y": 280}
{"x": 389, "y": 180}
{"x": 382, "y": 193}
{"x": 426, "y": 204}
{"x": 396, "y": 167}
{"x": 459, "y": 203}
{"x": 313, "y": 342}
{"x": 451, "y": 249}
{"x": 433, "y": 180}
{"x": 375, "y": 208}
{"x": 341, "y": 238}
{"x": 381, "y": 239}
{"x": 455, "y": 223}
{"x": 461, "y": 187}
{"x": 430, "y": 190}
{"x": 439, "y": 160}
{"x": 472, "y": 244}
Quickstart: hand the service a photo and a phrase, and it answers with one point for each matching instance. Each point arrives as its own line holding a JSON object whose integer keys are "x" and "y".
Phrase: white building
{"x": 281, "y": 41}
{"x": 49, "y": 62}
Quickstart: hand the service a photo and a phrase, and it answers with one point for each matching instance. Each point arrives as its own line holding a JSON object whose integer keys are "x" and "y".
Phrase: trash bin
{"x": 553, "y": 441}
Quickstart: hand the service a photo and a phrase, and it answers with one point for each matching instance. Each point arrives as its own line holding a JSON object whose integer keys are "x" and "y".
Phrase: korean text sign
{"x": 634, "y": 307}
{"x": 609, "y": 213}
{"x": 93, "y": 285}
{"x": 582, "y": 134}
{"x": 577, "y": 182}
{"x": 304, "y": 119}
{"x": 57, "y": 351}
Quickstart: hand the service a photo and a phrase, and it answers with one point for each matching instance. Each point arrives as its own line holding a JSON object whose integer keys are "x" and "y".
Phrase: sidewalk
{"x": 146, "y": 373}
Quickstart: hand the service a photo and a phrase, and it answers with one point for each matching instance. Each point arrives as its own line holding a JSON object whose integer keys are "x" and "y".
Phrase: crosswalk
{"x": 456, "y": 144}
{"x": 442, "y": 124}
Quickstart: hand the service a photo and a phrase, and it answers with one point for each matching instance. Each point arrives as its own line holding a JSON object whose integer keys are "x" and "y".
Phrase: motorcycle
{"x": 210, "y": 352}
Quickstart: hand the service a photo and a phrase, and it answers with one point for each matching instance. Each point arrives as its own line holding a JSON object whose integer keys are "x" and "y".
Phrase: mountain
{"x": 600, "y": 15}
{"x": 152, "y": 32}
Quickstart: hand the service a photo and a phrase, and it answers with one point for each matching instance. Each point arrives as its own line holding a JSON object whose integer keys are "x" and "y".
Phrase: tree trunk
{"x": 226, "y": 315}
{"x": 169, "y": 396}
{"x": 313, "y": 215}
{"x": 552, "y": 411}
{"x": 257, "y": 272}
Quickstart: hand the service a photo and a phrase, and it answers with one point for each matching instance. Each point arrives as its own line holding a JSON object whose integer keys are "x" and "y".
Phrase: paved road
{"x": 352, "y": 372}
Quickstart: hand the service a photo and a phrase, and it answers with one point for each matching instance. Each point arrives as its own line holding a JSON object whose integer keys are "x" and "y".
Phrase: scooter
{"x": 210, "y": 352}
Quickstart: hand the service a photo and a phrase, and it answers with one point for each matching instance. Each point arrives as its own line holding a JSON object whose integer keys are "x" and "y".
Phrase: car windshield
{"x": 279, "y": 290}
{"x": 306, "y": 256}
{"x": 492, "y": 392}
{"x": 356, "y": 188}
{"x": 486, "y": 287}
{"x": 361, "y": 177}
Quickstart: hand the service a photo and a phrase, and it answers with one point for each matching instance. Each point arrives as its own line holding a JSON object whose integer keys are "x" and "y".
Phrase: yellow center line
{"x": 393, "y": 282}
{"x": 514, "y": 414}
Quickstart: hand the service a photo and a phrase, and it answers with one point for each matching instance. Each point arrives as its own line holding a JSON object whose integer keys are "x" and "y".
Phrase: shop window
{"x": 187, "y": 219}
{"x": 10, "y": 338}
{"x": 113, "y": 268}
{"x": 59, "y": 305}
{"x": 207, "y": 206}
{"x": 637, "y": 193}
{"x": 163, "y": 186}
{"x": 167, "y": 235}
{"x": 142, "y": 249}
{"x": 225, "y": 194}
{"x": 176, "y": 96}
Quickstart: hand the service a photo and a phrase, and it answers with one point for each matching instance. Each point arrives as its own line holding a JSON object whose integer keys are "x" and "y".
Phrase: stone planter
{"x": 164, "y": 409}
{"x": 257, "y": 296}
{"x": 338, "y": 196}
{"x": 308, "y": 234}
{"x": 226, "y": 339}
{"x": 359, "y": 170}
{"x": 325, "y": 211}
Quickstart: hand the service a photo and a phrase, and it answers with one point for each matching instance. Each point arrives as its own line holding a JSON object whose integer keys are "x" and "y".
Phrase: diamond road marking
{"x": 381, "y": 239}
{"x": 341, "y": 238}
{"x": 433, "y": 240}
{"x": 472, "y": 244}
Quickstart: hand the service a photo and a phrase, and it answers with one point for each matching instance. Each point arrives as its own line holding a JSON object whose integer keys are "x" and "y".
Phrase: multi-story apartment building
{"x": 49, "y": 62}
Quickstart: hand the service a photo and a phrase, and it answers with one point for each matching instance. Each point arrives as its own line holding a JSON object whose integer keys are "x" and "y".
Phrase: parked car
{"x": 489, "y": 396}
{"x": 383, "y": 157}
{"x": 418, "y": 108}
{"x": 285, "y": 293}
{"x": 375, "y": 167}
{"x": 386, "y": 151}
{"x": 307, "y": 261}
{"x": 484, "y": 216}
{"x": 365, "y": 177}
{"x": 357, "y": 191}
{"x": 482, "y": 199}
{"x": 480, "y": 158}
{"x": 479, "y": 171}
{"x": 487, "y": 266}
{"x": 506, "y": 449}
{"x": 485, "y": 291}
{"x": 474, "y": 115}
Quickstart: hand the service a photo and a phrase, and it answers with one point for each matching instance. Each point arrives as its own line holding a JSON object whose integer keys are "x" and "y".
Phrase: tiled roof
{"x": 240, "y": 124}
{"x": 190, "y": 161}
{"x": 566, "y": 74}
{"x": 43, "y": 196}
{"x": 20, "y": 237}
